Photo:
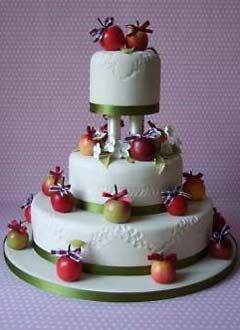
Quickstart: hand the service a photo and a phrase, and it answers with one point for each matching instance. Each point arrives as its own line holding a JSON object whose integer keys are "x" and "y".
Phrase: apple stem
{"x": 69, "y": 248}
{"x": 116, "y": 189}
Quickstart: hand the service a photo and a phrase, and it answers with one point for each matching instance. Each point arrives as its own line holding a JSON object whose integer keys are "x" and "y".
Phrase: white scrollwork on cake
{"x": 125, "y": 232}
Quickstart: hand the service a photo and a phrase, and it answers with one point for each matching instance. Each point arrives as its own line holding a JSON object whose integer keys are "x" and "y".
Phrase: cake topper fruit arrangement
{"x": 194, "y": 185}
{"x": 88, "y": 140}
{"x": 112, "y": 38}
{"x": 176, "y": 201}
{"x": 69, "y": 266}
{"x": 218, "y": 221}
{"x": 117, "y": 208}
{"x": 17, "y": 237}
{"x": 163, "y": 268}
{"x": 27, "y": 208}
{"x": 62, "y": 199}
{"x": 54, "y": 177}
{"x": 220, "y": 246}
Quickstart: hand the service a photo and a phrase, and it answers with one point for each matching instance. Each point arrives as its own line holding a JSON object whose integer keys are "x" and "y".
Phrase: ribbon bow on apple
{"x": 28, "y": 202}
{"x": 169, "y": 195}
{"x": 17, "y": 225}
{"x": 72, "y": 254}
{"x": 121, "y": 195}
{"x": 220, "y": 235}
{"x": 57, "y": 174}
{"x": 135, "y": 28}
{"x": 191, "y": 176}
{"x": 60, "y": 188}
{"x": 98, "y": 32}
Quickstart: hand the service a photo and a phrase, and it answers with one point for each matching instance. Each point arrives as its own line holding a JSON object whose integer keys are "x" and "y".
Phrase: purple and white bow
{"x": 98, "y": 32}
{"x": 60, "y": 188}
{"x": 73, "y": 254}
{"x": 218, "y": 236}
{"x": 168, "y": 195}
{"x": 28, "y": 202}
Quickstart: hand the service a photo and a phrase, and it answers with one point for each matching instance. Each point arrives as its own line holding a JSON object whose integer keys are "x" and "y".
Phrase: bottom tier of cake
{"x": 122, "y": 248}
{"x": 30, "y": 267}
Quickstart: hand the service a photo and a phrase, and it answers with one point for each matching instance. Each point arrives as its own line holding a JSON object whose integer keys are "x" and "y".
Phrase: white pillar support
{"x": 114, "y": 127}
{"x": 136, "y": 124}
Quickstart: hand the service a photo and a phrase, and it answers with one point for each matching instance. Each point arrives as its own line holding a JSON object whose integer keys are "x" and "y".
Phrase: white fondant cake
{"x": 127, "y": 244}
{"x": 89, "y": 178}
{"x": 117, "y": 78}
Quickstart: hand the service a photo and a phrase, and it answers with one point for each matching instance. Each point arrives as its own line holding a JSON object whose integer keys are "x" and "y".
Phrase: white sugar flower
{"x": 99, "y": 135}
{"x": 122, "y": 149}
{"x": 172, "y": 136}
{"x": 169, "y": 130}
{"x": 97, "y": 151}
{"x": 110, "y": 144}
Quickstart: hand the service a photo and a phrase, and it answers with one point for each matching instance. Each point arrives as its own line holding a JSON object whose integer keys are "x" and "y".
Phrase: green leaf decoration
{"x": 77, "y": 243}
{"x": 106, "y": 159}
{"x": 127, "y": 50}
{"x": 160, "y": 163}
{"x": 130, "y": 159}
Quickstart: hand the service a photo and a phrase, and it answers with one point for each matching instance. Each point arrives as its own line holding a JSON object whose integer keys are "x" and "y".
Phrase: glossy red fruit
{"x": 137, "y": 37}
{"x": 178, "y": 206}
{"x": 113, "y": 38}
{"x": 163, "y": 271}
{"x": 69, "y": 269}
{"x": 27, "y": 214}
{"x": 142, "y": 149}
{"x": 62, "y": 203}
{"x": 220, "y": 250}
{"x": 218, "y": 221}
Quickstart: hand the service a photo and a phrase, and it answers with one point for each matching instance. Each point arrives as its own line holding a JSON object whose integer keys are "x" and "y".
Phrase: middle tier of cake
{"x": 89, "y": 178}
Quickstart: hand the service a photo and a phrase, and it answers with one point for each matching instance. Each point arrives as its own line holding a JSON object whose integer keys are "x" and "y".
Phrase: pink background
{"x": 44, "y": 73}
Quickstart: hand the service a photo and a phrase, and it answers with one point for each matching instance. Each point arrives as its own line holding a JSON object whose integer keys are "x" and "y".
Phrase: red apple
{"x": 142, "y": 149}
{"x": 220, "y": 250}
{"x": 17, "y": 238}
{"x": 163, "y": 269}
{"x": 137, "y": 37}
{"x": 218, "y": 221}
{"x": 194, "y": 186}
{"x": 27, "y": 208}
{"x": 117, "y": 208}
{"x": 54, "y": 177}
{"x": 61, "y": 199}
{"x": 87, "y": 142}
{"x": 111, "y": 36}
{"x": 178, "y": 206}
{"x": 220, "y": 246}
{"x": 69, "y": 269}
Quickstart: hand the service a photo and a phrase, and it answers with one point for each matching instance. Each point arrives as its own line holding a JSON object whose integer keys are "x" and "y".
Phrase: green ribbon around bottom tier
{"x": 118, "y": 296}
{"x": 118, "y": 110}
{"x": 116, "y": 270}
{"x": 136, "y": 210}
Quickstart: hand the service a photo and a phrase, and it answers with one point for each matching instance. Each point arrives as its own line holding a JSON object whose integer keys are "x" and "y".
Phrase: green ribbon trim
{"x": 118, "y": 296}
{"x": 117, "y": 110}
{"x": 123, "y": 271}
{"x": 136, "y": 210}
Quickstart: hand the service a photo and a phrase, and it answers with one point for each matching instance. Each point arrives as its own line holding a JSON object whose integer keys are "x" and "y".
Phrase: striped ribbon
{"x": 72, "y": 254}
{"x": 170, "y": 194}
{"x": 28, "y": 202}
{"x": 219, "y": 236}
{"x": 97, "y": 33}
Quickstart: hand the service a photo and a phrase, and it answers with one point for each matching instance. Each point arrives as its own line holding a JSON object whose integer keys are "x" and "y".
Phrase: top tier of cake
{"x": 125, "y": 83}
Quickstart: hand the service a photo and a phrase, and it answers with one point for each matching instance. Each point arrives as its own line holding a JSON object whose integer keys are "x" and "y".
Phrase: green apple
{"x": 117, "y": 211}
{"x": 16, "y": 240}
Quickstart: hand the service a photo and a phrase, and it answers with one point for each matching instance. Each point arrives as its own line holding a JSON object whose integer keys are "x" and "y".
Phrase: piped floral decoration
{"x": 74, "y": 254}
{"x": 17, "y": 225}
{"x": 168, "y": 195}
{"x": 121, "y": 195}
{"x": 219, "y": 236}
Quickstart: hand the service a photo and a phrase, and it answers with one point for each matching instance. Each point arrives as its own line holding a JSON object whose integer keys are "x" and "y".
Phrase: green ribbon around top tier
{"x": 117, "y": 270}
{"x": 117, "y": 110}
{"x": 136, "y": 210}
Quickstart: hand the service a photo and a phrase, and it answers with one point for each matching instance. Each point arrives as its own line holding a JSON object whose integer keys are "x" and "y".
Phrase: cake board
{"x": 196, "y": 277}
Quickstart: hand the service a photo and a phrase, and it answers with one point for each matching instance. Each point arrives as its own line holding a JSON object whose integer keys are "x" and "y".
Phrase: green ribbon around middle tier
{"x": 136, "y": 210}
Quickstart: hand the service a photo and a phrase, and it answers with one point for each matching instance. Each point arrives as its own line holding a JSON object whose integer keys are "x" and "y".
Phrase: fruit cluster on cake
{"x": 128, "y": 208}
